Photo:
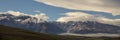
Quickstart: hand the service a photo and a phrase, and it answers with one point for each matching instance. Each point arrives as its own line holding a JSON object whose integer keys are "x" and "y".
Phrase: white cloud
{"x": 92, "y": 35}
{"x": 79, "y": 16}
{"x": 37, "y": 11}
{"x": 41, "y": 17}
{"x": 109, "y": 21}
{"x": 15, "y": 13}
{"x": 76, "y": 16}
{"x": 109, "y": 6}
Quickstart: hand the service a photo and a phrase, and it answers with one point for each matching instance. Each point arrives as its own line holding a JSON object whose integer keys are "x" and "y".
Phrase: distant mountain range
{"x": 31, "y": 23}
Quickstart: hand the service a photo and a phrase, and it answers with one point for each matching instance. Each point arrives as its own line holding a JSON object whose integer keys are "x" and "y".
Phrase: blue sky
{"x": 29, "y": 6}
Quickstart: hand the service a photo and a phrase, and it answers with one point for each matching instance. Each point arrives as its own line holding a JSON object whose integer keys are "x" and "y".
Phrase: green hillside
{"x": 8, "y": 33}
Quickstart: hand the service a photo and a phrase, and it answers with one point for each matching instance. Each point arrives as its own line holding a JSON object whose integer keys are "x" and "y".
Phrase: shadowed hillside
{"x": 8, "y": 33}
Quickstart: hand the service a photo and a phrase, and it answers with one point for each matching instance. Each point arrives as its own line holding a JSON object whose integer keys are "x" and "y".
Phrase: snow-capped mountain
{"x": 38, "y": 23}
{"x": 90, "y": 27}
{"x": 33, "y": 23}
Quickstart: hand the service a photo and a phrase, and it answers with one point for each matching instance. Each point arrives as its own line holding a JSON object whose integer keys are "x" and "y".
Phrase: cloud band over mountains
{"x": 109, "y": 6}
{"x": 70, "y": 16}
{"x": 80, "y": 16}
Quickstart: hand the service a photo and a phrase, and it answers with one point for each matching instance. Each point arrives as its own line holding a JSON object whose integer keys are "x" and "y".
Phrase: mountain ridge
{"x": 32, "y": 24}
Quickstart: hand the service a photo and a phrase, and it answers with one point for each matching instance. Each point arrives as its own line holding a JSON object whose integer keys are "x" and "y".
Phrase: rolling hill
{"x": 8, "y": 33}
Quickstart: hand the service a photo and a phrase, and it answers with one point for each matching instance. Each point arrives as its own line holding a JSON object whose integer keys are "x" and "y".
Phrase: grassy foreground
{"x": 8, "y": 33}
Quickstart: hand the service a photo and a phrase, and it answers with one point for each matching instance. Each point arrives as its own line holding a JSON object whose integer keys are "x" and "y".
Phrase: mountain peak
{"x": 18, "y": 16}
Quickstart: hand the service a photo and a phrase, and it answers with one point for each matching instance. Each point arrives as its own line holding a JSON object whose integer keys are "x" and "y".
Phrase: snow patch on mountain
{"x": 19, "y": 16}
